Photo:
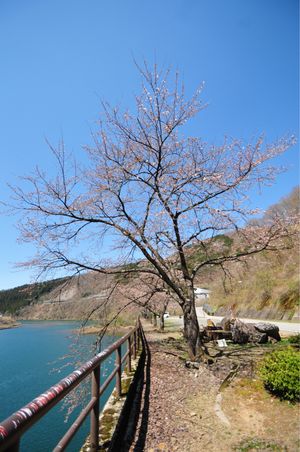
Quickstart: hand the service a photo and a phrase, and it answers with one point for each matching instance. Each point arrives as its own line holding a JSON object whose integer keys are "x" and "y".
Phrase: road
{"x": 284, "y": 327}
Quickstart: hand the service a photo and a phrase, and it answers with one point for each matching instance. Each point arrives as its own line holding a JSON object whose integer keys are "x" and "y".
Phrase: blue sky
{"x": 59, "y": 58}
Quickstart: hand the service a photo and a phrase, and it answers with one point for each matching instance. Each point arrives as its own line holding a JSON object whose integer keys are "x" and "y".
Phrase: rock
{"x": 268, "y": 328}
{"x": 255, "y": 336}
{"x": 242, "y": 333}
{"x": 192, "y": 364}
{"x": 226, "y": 323}
{"x": 248, "y": 332}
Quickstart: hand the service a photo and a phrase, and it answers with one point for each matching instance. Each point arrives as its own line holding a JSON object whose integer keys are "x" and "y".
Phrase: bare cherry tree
{"x": 154, "y": 193}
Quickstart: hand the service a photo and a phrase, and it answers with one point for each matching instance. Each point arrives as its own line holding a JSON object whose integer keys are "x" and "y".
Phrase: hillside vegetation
{"x": 267, "y": 287}
{"x": 12, "y": 300}
{"x": 267, "y": 284}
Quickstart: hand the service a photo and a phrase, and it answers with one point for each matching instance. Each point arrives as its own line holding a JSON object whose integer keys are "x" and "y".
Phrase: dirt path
{"x": 186, "y": 411}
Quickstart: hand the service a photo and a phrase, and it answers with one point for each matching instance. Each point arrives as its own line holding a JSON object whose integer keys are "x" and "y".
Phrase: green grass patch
{"x": 258, "y": 444}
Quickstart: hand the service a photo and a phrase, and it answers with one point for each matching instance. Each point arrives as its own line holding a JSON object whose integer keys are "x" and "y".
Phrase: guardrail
{"x": 12, "y": 428}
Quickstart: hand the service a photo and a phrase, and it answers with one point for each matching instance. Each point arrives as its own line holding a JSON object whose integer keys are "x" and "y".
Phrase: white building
{"x": 201, "y": 294}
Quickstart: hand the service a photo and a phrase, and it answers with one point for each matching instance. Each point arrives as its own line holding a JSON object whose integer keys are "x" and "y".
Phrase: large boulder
{"x": 256, "y": 336}
{"x": 226, "y": 323}
{"x": 269, "y": 329}
{"x": 242, "y": 333}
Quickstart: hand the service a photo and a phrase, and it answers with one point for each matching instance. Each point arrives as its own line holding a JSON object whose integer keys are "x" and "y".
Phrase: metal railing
{"x": 12, "y": 428}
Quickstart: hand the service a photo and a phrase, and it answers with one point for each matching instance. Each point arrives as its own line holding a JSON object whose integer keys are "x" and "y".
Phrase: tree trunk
{"x": 191, "y": 330}
{"x": 145, "y": 313}
{"x": 161, "y": 322}
{"x": 154, "y": 320}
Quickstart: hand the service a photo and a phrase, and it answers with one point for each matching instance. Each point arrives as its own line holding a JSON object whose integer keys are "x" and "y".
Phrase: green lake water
{"x": 35, "y": 356}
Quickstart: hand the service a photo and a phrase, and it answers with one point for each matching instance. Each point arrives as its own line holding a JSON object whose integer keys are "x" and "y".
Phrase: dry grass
{"x": 268, "y": 282}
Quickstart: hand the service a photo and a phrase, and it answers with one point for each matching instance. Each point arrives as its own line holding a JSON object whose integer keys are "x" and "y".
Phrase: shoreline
{"x": 9, "y": 326}
{"x": 111, "y": 330}
{"x": 86, "y": 330}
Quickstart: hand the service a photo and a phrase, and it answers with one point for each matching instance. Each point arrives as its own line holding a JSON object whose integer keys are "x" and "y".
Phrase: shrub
{"x": 295, "y": 339}
{"x": 280, "y": 372}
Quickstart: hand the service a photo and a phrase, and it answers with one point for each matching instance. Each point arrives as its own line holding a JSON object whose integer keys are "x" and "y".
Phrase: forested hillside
{"x": 11, "y": 300}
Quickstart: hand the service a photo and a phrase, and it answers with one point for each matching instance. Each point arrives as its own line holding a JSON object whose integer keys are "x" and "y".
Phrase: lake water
{"x": 31, "y": 360}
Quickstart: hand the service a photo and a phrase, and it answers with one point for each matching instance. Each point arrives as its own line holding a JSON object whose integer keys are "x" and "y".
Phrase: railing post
{"x": 138, "y": 338}
{"x": 134, "y": 345}
{"x": 129, "y": 355}
{"x": 119, "y": 372}
{"x": 94, "y": 431}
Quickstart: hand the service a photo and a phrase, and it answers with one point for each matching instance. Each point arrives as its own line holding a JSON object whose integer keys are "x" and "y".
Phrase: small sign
{"x": 222, "y": 343}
